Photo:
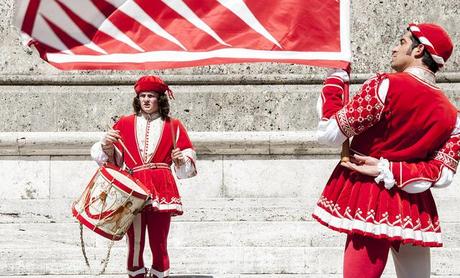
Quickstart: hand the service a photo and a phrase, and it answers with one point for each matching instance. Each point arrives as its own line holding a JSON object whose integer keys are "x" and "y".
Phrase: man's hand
{"x": 177, "y": 157}
{"x": 366, "y": 165}
{"x": 109, "y": 138}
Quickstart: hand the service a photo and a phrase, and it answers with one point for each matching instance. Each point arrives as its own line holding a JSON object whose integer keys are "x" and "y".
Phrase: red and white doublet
{"x": 406, "y": 119}
{"x": 150, "y": 142}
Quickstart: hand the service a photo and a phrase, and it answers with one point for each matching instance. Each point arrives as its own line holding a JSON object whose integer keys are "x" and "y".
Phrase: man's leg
{"x": 158, "y": 226}
{"x": 412, "y": 261}
{"x": 365, "y": 257}
{"x": 135, "y": 239}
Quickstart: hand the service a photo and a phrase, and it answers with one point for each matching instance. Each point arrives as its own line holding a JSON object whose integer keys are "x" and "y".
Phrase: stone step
{"x": 221, "y": 276}
{"x": 219, "y": 176}
{"x": 200, "y": 234}
{"x": 198, "y": 260}
{"x": 207, "y": 210}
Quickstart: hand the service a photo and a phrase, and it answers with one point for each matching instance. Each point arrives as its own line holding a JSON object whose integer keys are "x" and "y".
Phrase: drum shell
{"x": 110, "y": 202}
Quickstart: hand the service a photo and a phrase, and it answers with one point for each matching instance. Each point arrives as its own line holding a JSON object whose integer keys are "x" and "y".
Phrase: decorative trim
{"x": 367, "y": 225}
{"x": 159, "y": 274}
{"x": 447, "y": 160}
{"x": 137, "y": 272}
{"x": 363, "y": 111}
{"x": 343, "y": 123}
{"x": 175, "y": 204}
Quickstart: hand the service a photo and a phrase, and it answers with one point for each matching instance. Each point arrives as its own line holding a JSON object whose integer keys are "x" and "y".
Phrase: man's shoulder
{"x": 125, "y": 119}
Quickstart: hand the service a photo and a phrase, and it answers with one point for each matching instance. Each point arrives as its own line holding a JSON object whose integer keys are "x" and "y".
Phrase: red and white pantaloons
{"x": 156, "y": 224}
{"x": 366, "y": 257}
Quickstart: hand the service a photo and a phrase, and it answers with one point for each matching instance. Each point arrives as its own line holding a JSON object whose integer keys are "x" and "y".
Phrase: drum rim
{"x": 93, "y": 227}
{"x": 106, "y": 174}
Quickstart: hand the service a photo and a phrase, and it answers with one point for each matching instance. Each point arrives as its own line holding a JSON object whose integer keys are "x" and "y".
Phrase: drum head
{"x": 126, "y": 181}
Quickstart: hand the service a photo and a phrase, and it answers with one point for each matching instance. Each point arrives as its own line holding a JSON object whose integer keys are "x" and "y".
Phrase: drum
{"x": 110, "y": 202}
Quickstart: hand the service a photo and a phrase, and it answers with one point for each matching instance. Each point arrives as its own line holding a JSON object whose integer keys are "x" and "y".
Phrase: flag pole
{"x": 345, "y": 154}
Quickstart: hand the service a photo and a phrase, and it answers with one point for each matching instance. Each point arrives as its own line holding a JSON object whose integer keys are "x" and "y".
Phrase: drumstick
{"x": 345, "y": 154}
{"x": 125, "y": 148}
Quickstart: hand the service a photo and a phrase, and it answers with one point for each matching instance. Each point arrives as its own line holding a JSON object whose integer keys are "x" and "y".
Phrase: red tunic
{"x": 159, "y": 181}
{"x": 413, "y": 123}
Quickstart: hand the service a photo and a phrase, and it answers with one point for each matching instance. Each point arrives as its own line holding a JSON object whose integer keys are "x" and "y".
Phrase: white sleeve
{"x": 417, "y": 187}
{"x": 97, "y": 154}
{"x": 447, "y": 175}
{"x": 328, "y": 131}
{"x": 444, "y": 180}
{"x": 188, "y": 169}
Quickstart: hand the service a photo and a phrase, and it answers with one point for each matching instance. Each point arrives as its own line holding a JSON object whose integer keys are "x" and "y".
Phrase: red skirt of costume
{"x": 162, "y": 189}
{"x": 355, "y": 204}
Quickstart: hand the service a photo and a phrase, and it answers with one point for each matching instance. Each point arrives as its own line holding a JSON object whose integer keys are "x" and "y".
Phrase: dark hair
{"x": 426, "y": 59}
{"x": 163, "y": 106}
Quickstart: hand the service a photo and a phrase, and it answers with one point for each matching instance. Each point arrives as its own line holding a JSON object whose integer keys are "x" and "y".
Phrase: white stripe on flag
{"x": 239, "y": 8}
{"x": 181, "y": 8}
{"x": 138, "y": 14}
{"x": 178, "y": 56}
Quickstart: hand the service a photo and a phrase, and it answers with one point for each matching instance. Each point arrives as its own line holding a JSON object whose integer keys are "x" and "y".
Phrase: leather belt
{"x": 150, "y": 166}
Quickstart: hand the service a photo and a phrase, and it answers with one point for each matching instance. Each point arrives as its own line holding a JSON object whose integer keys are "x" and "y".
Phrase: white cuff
{"x": 187, "y": 170}
{"x": 385, "y": 174}
{"x": 447, "y": 175}
{"x": 98, "y": 154}
{"x": 340, "y": 73}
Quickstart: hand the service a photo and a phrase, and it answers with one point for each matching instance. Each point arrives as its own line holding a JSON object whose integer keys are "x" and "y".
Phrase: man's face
{"x": 402, "y": 55}
{"x": 149, "y": 102}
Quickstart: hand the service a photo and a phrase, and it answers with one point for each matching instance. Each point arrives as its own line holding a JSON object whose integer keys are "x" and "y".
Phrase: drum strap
{"x": 173, "y": 134}
{"x": 104, "y": 262}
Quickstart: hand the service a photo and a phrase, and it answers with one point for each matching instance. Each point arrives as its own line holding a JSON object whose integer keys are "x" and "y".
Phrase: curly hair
{"x": 163, "y": 106}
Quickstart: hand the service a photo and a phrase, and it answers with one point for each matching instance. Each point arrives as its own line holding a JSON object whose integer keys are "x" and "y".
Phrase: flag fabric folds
{"x": 159, "y": 34}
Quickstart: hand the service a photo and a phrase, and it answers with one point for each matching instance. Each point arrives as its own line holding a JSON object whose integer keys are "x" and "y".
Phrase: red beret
{"x": 435, "y": 39}
{"x": 151, "y": 83}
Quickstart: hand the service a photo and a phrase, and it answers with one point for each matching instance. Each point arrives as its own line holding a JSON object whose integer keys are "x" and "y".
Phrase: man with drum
{"x": 404, "y": 119}
{"x": 146, "y": 144}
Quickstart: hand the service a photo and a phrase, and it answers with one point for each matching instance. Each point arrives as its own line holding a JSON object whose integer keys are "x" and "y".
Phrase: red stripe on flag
{"x": 29, "y": 18}
{"x": 71, "y": 43}
{"x": 88, "y": 29}
{"x": 104, "y": 7}
{"x": 145, "y": 38}
{"x": 237, "y": 33}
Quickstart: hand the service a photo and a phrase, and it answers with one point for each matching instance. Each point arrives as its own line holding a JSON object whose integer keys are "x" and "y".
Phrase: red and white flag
{"x": 158, "y": 34}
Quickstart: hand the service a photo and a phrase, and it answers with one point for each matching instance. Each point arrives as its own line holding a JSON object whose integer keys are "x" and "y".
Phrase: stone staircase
{"x": 245, "y": 216}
